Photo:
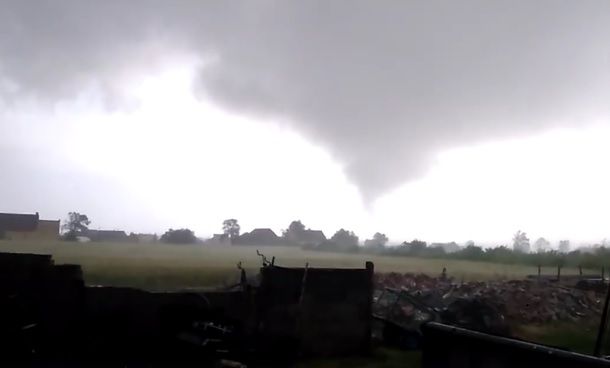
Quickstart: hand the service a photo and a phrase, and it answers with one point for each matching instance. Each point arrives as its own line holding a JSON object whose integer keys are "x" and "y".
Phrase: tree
{"x": 345, "y": 238}
{"x": 133, "y": 237}
{"x": 379, "y": 241}
{"x": 564, "y": 246}
{"x": 179, "y": 236}
{"x": 541, "y": 245}
{"x": 295, "y": 231}
{"x": 521, "y": 242}
{"x": 472, "y": 252}
{"x": 76, "y": 224}
{"x": 296, "y": 227}
{"x": 416, "y": 247}
{"x": 231, "y": 228}
{"x": 380, "y": 238}
{"x": 500, "y": 254}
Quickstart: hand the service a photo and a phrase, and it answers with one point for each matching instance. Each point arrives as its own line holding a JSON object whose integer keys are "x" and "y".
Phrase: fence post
{"x": 370, "y": 268}
{"x": 538, "y": 272}
{"x": 602, "y": 325}
{"x": 580, "y": 271}
{"x": 558, "y": 272}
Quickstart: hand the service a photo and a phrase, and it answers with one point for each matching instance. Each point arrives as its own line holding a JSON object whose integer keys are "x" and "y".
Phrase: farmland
{"x": 170, "y": 267}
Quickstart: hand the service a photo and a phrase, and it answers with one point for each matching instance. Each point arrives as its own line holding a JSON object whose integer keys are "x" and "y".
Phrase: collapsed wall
{"x": 317, "y": 311}
{"x": 50, "y": 316}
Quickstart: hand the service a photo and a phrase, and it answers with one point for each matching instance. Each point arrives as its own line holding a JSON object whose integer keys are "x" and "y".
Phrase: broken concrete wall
{"x": 317, "y": 312}
{"x": 41, "y": 306}
{"x": 130, "y": 323}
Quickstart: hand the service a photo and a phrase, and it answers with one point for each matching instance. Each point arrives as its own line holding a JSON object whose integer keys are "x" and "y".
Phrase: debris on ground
{"x": 519, "y": 301}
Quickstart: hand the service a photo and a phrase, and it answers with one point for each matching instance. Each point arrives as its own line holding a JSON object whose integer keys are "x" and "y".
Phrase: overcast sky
{"x": 442, "y": 120}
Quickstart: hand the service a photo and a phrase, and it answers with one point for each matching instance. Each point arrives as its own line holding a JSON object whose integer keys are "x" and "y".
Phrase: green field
{"x": 170, "y": 267}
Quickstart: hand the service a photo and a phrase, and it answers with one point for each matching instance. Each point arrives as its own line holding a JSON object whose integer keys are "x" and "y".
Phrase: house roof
{"x": 259, "y": 236}
{"x": 263, "y": 232}
{"x": 49, "y": 221}
{"x": 312, "y": 236}
{"x": 105, "y": 234}
{"x": 18, "y": 222}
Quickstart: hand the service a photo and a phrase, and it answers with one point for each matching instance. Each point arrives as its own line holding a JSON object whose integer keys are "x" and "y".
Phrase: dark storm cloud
{"x": 383, "y": 85}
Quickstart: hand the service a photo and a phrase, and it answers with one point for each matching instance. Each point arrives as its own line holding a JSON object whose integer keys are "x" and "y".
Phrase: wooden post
{"x": 370, "y": 269}
{"x": 602, "y": 325}
{"x": 538, "y": 272}
{"x": 603, "y": 273}
{"x": 558, "y": 273}
{"x": 580, "y": 270}
{"x": 243, "y": 280}
{"x": 303, "y": 284}
{"x": 301, "y": 311}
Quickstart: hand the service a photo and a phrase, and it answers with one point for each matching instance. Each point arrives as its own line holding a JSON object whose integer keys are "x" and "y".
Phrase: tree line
{"x": 521, "y": 252}
{"x": 594, "y": 257}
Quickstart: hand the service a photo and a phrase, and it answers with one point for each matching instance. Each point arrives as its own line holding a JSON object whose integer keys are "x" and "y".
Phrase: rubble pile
{"x": 520, "y": 301}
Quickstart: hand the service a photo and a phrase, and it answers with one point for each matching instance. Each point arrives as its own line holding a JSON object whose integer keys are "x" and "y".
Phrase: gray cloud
{"x": 382, "y": 85}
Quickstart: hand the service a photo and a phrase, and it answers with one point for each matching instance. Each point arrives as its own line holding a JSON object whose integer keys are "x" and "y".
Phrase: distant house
{"x": 263, "y": 236}
{"x": 218, "y": 240}
{"x": 448, "y": 247}
{"x": 15, "y": 226}
{"x": 305, "y": 237}
{"x": 313, "y": 237}
{"x": 107, "y": 236}
{"x": 371, "y": 243}
{"x": 146, "y": 238}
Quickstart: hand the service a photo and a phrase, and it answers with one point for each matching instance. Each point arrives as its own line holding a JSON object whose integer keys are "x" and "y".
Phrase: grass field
{"x": 169, "y": 267}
